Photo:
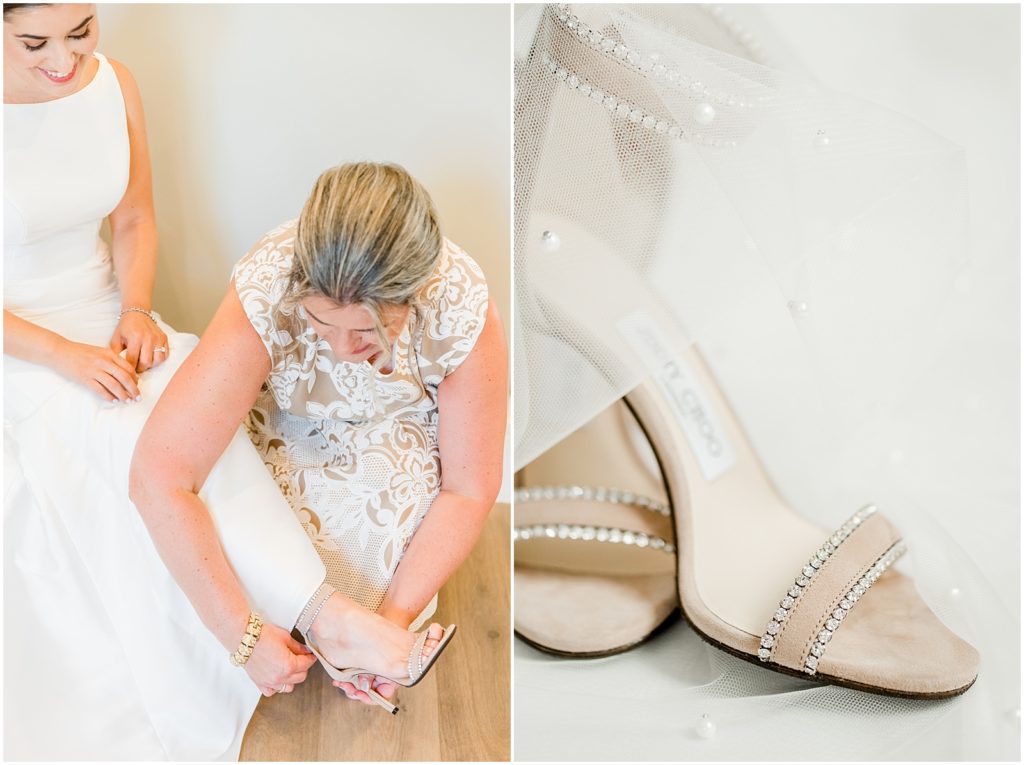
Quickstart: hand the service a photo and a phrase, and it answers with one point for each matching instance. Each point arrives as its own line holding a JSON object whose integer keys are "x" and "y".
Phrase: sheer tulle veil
{"x": 807, "y": 242}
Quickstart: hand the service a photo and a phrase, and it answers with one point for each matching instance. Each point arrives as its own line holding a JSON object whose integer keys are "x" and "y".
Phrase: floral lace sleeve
{"x": 260, "y": 278}
{"x": 456, "y": 297}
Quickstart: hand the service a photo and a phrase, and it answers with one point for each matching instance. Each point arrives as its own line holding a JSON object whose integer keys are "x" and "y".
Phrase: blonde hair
{"x": 368, "y": 235}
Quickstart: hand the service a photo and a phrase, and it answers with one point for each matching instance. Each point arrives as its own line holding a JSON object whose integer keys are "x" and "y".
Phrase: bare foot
{"x": 382, "y": 685}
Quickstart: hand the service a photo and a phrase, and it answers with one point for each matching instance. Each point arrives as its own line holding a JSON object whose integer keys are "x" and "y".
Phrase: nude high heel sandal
{"x": 417, "y": 664}
{"x": 755, "y": 578}
{"x": 594, "y": 547}
{"x": 760, "y": 582}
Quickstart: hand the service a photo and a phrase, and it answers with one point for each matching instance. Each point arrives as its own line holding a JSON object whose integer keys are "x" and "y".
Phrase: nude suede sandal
{"x": 418, "y": 665}
{"x": 762, "y": 583}
{"x": 594, "y": 546}
{"x": 755, "y": 579}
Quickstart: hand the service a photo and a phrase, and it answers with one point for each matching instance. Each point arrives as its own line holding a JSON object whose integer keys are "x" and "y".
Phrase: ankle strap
{"x": 313, "y": 606}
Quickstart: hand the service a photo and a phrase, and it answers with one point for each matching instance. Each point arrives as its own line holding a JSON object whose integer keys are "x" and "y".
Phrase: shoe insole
{"x": 592, "y": 597}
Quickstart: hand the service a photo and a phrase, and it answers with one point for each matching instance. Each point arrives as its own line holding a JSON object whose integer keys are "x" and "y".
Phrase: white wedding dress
{"x": 104, "y": 657}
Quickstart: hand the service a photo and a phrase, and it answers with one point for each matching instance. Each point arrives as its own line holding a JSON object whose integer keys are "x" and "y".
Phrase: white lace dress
{"x": 354, "y": 452}
{"x": 104, "y": 657}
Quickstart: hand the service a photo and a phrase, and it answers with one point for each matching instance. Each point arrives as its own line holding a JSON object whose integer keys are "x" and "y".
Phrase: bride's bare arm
{"x": 99, "y": 369}
{"x": 472, "y": 403}
{"x": 189, "y": 429}
{"x": 133, "y": 240}
{"x": 133, "y": 232}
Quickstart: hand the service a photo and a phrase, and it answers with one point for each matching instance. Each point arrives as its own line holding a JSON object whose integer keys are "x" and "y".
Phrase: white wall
{"x": 247, "y": 104}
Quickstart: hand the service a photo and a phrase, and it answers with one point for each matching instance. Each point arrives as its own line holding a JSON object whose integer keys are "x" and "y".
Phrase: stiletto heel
{"x": 381, "y": 701}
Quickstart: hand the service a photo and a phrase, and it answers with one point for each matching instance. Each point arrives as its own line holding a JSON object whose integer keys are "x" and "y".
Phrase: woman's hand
{"x": 357, "y": 691}
{"x": 142, "y": 340}
{"x": 101, "y": 370}
{"x": 278, "y": 662}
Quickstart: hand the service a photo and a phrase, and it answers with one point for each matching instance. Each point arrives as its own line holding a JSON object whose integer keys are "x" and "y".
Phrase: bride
{"x": 104, "y": 655}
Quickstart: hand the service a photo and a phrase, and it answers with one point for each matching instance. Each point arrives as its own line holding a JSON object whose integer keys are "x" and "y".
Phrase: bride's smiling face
{"x": 350, "y": 330}
{"x": 47, "y": 48}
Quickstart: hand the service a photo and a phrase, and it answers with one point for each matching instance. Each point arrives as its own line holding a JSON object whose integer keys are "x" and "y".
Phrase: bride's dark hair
{"x": 12, "y": 7}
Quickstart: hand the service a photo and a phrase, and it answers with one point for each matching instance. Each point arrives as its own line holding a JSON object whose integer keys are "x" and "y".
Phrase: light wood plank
{"x": 459, "y": 712}
{"x": 475, "y": 701}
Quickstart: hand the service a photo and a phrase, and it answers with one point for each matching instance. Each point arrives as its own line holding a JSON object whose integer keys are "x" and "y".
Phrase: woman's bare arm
{"x": 191, "y": 425}
{"x": 472, "y": 404}
{"x": 134, "y": 241}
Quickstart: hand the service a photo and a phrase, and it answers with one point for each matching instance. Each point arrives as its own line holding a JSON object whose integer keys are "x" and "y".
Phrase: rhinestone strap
{"x": 592, "y": 493}
{"x": 856, "y": 593}
{"x": 619, "y": 107}
{"x": 313, "y": 607}
{"x": 591, "y": 534}
{"x": 764, "y": 653}
{"x": 648, "y": 66}
{"x": 417, "y": 652}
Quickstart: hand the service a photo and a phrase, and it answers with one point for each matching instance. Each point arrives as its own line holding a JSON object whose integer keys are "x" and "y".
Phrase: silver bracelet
{"x": 133, "y": 309}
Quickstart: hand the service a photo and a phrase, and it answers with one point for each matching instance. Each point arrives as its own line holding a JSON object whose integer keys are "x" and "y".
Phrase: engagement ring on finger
{"x": 160, "y": 349}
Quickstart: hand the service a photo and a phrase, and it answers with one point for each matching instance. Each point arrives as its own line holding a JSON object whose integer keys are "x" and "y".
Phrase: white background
{"x": 956, "y": 69}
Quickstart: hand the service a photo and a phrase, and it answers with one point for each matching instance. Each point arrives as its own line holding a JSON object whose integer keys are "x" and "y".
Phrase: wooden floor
{"x": 459, "y": 712}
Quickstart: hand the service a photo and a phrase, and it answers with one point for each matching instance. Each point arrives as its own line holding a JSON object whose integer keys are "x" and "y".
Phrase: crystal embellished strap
{"x": 855, "y": 593}
{"x": 592, "y": 494}
{"x": 415, "y": 661}
{"x": 588, "y": 533}
{"x": 787, "y": 604}
{"x": 591, "y": 534}
{"x": 313, "y": 607}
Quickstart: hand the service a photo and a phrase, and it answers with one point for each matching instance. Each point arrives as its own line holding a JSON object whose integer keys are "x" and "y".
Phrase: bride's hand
{"x": 101, "y": 370}
{"x": 144, "y": 343}
{"x": 278, "y": 662}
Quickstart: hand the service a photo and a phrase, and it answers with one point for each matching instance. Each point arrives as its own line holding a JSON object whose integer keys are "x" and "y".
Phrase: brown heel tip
{"x": 394, "y": 711}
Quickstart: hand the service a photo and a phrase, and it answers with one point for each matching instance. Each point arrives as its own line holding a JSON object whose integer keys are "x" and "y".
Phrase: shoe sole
{"x": 819, "y": 676}
{"x": 605, "y": 652}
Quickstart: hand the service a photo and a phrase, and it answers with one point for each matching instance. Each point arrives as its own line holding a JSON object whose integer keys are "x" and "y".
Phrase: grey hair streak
{"x": 367, "y": 235}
